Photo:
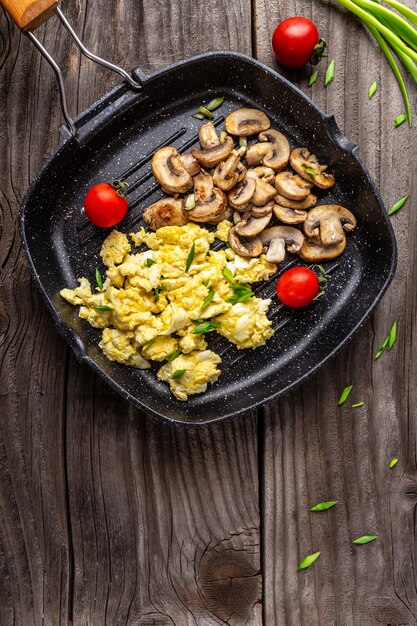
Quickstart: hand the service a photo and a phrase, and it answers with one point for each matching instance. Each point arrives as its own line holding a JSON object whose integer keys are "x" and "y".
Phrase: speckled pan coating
{"x": 125, "y": 128}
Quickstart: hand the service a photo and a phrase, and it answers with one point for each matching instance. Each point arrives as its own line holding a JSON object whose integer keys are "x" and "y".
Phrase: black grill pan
{"x": 117, "y": 136}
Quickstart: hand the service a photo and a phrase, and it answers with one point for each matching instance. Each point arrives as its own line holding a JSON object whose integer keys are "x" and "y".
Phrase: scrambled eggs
{"x": 157, "y": 305}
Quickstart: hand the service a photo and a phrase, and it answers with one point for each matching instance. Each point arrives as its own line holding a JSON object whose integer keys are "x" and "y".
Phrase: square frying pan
{"x": 116, "y": 137}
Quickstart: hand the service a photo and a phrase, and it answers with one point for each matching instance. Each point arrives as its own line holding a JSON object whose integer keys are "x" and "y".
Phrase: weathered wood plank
{"x": 315, "y": 451}
{"x": 165, "y": 522}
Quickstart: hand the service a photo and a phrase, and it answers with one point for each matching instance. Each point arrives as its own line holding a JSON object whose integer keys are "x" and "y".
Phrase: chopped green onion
{"x": 323, "y": 506}
{"x": 228, "y": 275}
{"x": 215, "y": 104}
{"x": 190, "y": 203}
{"x": 309, "y": 560}
{"x": 400, "y": 120}
{"x": 205, "y": 112}
{"x": 243, "y": 142}
{"x": 398, "y": 205}
{"x": 208, "y": 299}
{"x": 357, "y": 405}
{"x": 173, "y": 356}
{"x": 157, "y": 291}
{"x": 329, "y": 73}
{"x": 103, "y": 307}
{"x": 393, "y": 462}
{"x": 310, "y": 170}
{"x": 222, "y": 136}
{"x": 150, "y": 343}
{"x": 344, "y": 396}
{"x": 241, "y": 293}
{"x": 365, "y": 539}
{"x": 388, "y": 342}
{"x": 205, "y": 327}
{"x": 198, "y": 116}
{"x": 178, "y": 374}
{"x": 99, "y": 279}
{"x": 373, "y": 89}
{"x": 190, "y": 258}
{"x": 150, "y": 262}
{"x": 313, "y": 78}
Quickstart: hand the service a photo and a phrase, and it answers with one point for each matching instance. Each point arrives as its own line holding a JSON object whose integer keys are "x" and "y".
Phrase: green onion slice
{"x": 398, "y": 205}
{"x": 99, "y": 279}
{"x": 190, "y": 258}
{"x": 308, "y": 560}
{"x": 205, "y": 327}
{"x": 329, "y": 73}
{"x": 344, "y": 395}
{"x": 215, "y": 104}
{"x": 373, "y": 89}
{"x": 400, "y": 120}
{"x": 190, "y": 202}
{"x": 178, "y": 374}
{"x": 174, "y": 355}
{"x": 365, "y": 539}
{"x": 198, "y": 116}
{"x": 313, "y": 78}
{"x": 208, "y": 299}
{"x": 205, "y": 112}
{"x": 103, "y": 307}
{"x": 323, "y": 506}
{"x": 228, "y": 275}
{"x": 357, "y": 405}
{"x": 393, "y": 462}
{"x": 150, "y": 262}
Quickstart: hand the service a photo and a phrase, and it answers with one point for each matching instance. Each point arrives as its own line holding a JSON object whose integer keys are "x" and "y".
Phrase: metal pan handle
{"x": 28, "y": 15}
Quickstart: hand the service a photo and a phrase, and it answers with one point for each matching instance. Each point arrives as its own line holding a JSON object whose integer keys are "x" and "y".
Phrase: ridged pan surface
{"x": 118, "y": 135}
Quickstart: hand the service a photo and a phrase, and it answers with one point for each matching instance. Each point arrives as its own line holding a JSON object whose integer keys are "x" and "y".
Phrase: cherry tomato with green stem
{"x": 105, "y": 204}
{"x": 297, "y": 287}
{"x": 296, "y": 42}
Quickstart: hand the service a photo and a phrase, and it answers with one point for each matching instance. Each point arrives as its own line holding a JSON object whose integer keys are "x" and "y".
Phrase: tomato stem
{"x": 120, "y": 186}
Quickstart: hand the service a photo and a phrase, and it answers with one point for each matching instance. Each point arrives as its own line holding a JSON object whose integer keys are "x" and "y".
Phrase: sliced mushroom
{"x": 292, "y": 186}
{"x": 329, "y": 221}
{"x": 314, "y": 251}
{"x": 210, "y": 202}
{"x": 273, "y": 151}
{"x": 301, "y": 205}
{"x": 241, "y": 195}
{"x": 211, "y": 157}
{"x": 165, "y": 212}
{"x": 266, "y": 173}
{"x": 170, "y": 172}
{"x": 244, "y": 246}
{"x": 264, "y": 192}
{"x": 261, "y": 211}
{"x": 279, "y": 238}
{"x": 241, "y": 170}
{"x": 225, "y": 215}
{"x": 289, "y": 216}
{"x": 190, "y": 163}
{"x": 208, "y": 137}
{"x": 237, "y": 217}
{"x": 226, "y": 175}
{"x": 307, "y": 166}
{"x": 245, "y": 122}
{"x": 250, "y": 226}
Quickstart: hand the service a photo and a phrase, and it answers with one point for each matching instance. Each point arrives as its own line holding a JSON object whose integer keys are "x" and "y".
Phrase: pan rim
{"x": 335, "y": 135}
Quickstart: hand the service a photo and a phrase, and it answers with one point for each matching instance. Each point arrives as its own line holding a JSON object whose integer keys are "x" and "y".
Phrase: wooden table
{"x": 107, "y": 518}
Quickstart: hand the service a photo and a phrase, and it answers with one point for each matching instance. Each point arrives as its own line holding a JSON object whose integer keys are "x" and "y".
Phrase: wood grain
{"x": 107, "y": 518}
{"x": 315, "y": 451}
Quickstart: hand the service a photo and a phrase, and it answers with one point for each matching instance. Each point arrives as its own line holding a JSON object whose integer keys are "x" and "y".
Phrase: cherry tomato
{"x": 298, "y": 287}
{"x": 105, "y": 204}
{"x": 294, "y": 40}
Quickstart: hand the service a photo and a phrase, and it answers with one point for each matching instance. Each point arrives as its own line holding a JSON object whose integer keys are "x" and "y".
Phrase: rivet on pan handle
{"x": 28, "y": 15}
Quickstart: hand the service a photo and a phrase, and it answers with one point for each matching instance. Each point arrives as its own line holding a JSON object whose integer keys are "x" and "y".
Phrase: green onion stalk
{"x": 396, "y": 34}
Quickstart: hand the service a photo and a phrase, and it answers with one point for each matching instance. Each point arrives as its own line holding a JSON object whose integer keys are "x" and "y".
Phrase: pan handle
{"x": 29, "y": 14}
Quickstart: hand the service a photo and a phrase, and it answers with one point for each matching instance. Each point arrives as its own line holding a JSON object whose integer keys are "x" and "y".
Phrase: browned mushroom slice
{"x": 289, "y": 216}
{"x": 261, "y": 211}
{"x": 165, "y": 212}
{"x": 245, "y": 122}
{"x": 211, "y": 157}
{"x": 190, "y": 163}
{"x": 241, "y": 195}
{"x": 307, "y": 166}
{"x": 225, "y": 215}
{"x": 210, "y": 202}
{"x": 279, "y": 238}
{"x": 264, "y": 192}
{"x": 292, "y": 186}
{"x": 208, "y": 137}
{"x": 170, "y": 172}
{"x": 301, "y": 205}
{"x": 250, "y": 226}
{"x": 266, "y": 173}
{"x": 226, "y": 175}
{"x": 314, "y": 251}
{"x": 329, "y": 221}
{"x": 237, "y": 217}
{"x": 241, "y": 170}
{"x": 244, "y": 246}
{"x": 273, "y": 151}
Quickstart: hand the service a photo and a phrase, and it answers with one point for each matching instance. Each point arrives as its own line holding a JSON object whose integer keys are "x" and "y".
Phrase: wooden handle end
{"x": 29, "y": 14}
